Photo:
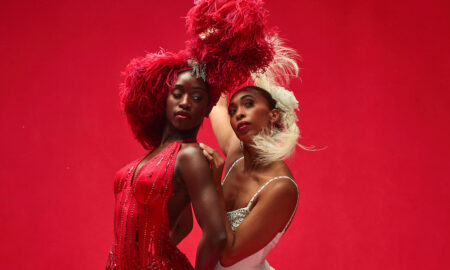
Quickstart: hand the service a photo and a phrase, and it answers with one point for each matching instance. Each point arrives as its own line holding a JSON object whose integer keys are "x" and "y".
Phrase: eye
{"x": 248, "y": 103}
{"x": 176, "y": 94}
{"x": 197, "y": 97}
{"x": 231, "y": 111}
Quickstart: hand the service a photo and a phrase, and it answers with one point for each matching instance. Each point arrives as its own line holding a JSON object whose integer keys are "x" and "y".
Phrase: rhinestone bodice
{"x": 237, "y": 216}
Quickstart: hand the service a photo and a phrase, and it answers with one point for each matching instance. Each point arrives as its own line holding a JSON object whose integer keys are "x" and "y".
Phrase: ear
{"x": 275, "y": 115}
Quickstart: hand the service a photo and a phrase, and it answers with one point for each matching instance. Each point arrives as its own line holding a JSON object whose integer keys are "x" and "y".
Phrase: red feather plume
{"x": 147, "y": 83}
{"x": 229, "y": 36}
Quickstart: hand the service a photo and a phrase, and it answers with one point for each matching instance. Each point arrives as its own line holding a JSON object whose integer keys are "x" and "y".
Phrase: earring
{"x": 240, "y": 145}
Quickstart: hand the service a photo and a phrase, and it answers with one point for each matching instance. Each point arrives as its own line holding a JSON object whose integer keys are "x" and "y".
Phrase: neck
{"x": 250, "y": 156}
{"x": 171, "y": 134}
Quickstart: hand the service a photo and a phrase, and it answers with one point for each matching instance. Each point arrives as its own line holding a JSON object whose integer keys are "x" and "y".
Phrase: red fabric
{"x": 141, "y": 224}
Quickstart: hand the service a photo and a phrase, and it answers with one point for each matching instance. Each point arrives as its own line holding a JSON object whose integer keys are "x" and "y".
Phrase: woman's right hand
{"x": 215, "y": 160}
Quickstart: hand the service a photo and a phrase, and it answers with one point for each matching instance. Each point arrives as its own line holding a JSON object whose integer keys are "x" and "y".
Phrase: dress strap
{"x": 268, "y": 182}
{"x": 229, "y": 170}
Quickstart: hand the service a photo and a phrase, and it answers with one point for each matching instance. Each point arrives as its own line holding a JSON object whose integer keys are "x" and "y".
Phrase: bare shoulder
{"x": 190, "y": 150}
{"x": 283, "y": 184}
{"x": 191, "y": 162}
{"x": 282, "y": 187}
{"x": 280, "y": 168}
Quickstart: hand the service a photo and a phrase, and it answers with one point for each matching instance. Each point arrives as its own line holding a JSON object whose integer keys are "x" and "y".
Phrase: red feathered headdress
{"x": 229, "y": 37}
{"x": 227, "y": 42}
{"x": 147, "y": 83}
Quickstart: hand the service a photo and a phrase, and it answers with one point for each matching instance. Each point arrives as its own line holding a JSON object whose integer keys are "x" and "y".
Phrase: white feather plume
{"x": 277, "y": 144}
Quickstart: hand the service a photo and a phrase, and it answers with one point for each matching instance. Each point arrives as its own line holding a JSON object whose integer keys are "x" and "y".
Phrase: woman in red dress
{"x": 152, "y": 192}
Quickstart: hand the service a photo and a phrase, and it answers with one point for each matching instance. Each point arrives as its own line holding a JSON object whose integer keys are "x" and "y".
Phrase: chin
{"x": 185, "y": 126}
{"x": 247, "y": 137}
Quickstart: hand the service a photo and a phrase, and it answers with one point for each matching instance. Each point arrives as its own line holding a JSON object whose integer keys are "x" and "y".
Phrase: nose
{"x": 239, "y": 114}
{"x": 185, "y": 102}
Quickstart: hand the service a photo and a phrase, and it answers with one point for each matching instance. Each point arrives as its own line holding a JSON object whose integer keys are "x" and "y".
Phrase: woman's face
{"x": 187, "y": 102}
{"x": 250, "y": 113}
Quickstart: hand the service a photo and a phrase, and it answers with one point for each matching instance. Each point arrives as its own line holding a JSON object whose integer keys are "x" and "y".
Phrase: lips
{"x": 182, "y": 115}
{"x": 243, "y": 126}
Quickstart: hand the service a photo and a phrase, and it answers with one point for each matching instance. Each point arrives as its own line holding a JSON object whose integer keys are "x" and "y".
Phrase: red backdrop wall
{"x": 374, "y": 90}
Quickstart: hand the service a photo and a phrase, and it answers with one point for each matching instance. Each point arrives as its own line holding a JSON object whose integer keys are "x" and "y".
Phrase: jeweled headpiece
{"x": 198, "y": 70}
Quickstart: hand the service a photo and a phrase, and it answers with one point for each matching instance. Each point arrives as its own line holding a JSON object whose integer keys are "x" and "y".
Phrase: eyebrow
{"x": 180, "y": 86}
{"x": 242, "y": 98}
{"x": 246, "y": 96}
{"x": 199, "y": 88}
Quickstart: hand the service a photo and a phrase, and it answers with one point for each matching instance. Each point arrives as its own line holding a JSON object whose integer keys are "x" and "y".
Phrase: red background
{"x": 375, "y": 90}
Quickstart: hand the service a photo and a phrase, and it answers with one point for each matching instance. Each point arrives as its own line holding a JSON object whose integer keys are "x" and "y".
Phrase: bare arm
{"x": 275, "y": 203}
{"x": 220, "y": 122}
{"x": 194, "y": 170}
{"x": 183, "y": 226}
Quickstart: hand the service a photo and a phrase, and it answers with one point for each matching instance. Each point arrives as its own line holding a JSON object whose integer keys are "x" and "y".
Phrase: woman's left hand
{"x": 215, "y": 160}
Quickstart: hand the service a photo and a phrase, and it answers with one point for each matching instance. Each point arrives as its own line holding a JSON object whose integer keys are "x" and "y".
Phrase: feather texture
{"x": 229, "y": 36}
{"x": 144, "y": 91}
{"x": 279, "y": 143}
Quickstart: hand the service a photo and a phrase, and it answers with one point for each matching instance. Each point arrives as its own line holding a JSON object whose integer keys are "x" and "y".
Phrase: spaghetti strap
{"x": 229, "y": 170}
{"x": 268, "y": 182}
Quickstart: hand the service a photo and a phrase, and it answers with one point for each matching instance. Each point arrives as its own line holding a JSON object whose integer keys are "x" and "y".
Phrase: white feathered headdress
{"x": 279, "y": 142}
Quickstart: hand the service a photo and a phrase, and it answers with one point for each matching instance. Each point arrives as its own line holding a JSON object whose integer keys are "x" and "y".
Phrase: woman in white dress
{"x": 256, "y": 131}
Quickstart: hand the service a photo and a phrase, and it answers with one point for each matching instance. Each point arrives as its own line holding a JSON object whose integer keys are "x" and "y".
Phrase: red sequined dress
{"x": 141, "y": 223}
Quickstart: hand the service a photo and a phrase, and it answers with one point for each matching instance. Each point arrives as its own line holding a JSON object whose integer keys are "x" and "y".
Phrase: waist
{"x": 167, "y": 256}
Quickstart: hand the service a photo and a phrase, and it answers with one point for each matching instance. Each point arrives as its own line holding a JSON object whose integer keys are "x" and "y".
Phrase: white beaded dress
{"x": 256, "y": 261}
